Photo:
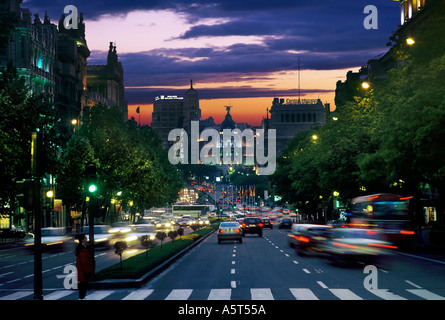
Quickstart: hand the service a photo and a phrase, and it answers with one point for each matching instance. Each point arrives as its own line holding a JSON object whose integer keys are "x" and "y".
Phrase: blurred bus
{"x": 387, "y": 212}
{"x": 195, "y": 211}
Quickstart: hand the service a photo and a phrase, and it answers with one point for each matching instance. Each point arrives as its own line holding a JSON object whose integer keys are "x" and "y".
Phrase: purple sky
{"x": 231, "y": 49}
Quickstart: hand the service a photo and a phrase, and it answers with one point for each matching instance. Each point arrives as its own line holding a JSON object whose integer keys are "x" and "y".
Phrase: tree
{"x": 172, "y": 235}
{"x": 161, "y": 235}
{"x": 146, "y": 242}
{"x": 119, "y": 248}
{"x": 23, "y": 113}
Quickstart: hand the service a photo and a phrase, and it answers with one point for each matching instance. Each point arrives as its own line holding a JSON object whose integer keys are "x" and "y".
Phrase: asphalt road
{"x": 260, "y": 268}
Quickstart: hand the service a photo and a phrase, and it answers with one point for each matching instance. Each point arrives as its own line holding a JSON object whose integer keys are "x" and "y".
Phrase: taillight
{"x": 238, "y": 230}
{"x": 221, "y": 231}
{"x": 382, "y": 245}
{"x": 344, "y": 245}
{"x": 261, "y": 225}
{"x": 244, "y": 225}
{"x": 406, "y": 232}
{"x": 302, "y": 239}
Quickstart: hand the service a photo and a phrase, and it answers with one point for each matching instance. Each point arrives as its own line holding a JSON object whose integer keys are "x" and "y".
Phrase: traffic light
{"x": 24, "y": 193}
{"x": 91, "y": 177}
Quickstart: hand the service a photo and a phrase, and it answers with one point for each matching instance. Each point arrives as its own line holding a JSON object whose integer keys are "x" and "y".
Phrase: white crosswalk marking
{"x": 17, "y": 295}
{"x": 139, "y": 294}
{"x": 224, "y": 294}
{"x": 179, "y": 294}
{"x": 386, "y": 294}
{"x": 303, "y": 294}
{"x": 345, "y": 294}
{"x": 56, "y": 295}
{"x": 98, "y": 295}
{"x": 261, "y": 294}
{"x": 425, "y": 294}
{"x": 220, "y": 294}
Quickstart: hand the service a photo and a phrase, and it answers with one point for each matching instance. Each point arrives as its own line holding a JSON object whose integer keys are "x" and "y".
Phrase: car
{"x": 204, "y": 221}
{"x": 252, "y": 225}
{"x": 308, "y": 238}
{"x": 229, "y": 231}
{"x": 184, "y": 222}
{"x": 52, "y": 238}
{"x": 353, "y": 245}
{"x": 285, "y": 224}
{"x": 102, "y": 238}
{"x": 267, "y": 223}
{"x": 134, "y": 237}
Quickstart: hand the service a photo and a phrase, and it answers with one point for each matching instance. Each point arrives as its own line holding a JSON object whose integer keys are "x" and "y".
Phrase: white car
{"x": 102, "y": 238}
{"x": 55, "y": 238}
{"x": 230, "y": 231}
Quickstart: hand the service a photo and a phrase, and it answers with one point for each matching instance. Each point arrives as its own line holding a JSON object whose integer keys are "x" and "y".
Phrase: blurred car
{"x": 229, "y": 231}
{"x": 252, "y": 225}
{"x": 204, "y": 221}
{"x": 267, "y": 223}
{"x": 52, "y": 238}
{"x": 308, "y": 238}
{"x": 184, "y": 222}
{"x": 354, "y": 245}
{"x": 285, "y": 224}
{"x": 102, "y": 238}
{"x": 134, "y": 237}
{"x": 162, "y": 223}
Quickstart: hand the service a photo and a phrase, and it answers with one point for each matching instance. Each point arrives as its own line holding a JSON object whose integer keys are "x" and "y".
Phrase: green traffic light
{"x": 92, "y": 188}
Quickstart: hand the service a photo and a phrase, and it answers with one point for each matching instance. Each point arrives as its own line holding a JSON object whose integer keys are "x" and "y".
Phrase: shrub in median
{"x": 136, "y": 266}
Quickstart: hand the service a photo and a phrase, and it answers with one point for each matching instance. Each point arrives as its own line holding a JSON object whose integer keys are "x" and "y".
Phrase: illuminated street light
{"x": 365, "y": 85}
{"x": 314, "y": 137}
{"x": 336, "y": 193}
{"x": 410, "y": 41}
{"x": 50, "y": 194}
{"x": 74, "y": 122}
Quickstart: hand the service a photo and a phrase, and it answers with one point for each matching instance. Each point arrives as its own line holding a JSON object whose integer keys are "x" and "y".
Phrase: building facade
{"x": 105, "y": 83}
{"x": 171, "y": 112}
{"x": 292, "y": 116}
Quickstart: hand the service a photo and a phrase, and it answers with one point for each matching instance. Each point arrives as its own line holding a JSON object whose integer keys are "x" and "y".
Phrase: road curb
{"x": 137, "y": 283}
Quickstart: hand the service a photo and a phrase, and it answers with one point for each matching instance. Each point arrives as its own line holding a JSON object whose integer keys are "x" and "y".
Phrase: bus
{"x": 384, "y": 211}
{"x": 194, "y": 210}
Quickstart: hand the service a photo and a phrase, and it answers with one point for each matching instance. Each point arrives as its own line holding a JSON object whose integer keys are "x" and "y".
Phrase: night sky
{"x": 239, "y": 53}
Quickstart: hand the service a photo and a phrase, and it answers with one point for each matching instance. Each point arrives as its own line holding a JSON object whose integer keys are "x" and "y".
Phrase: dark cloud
{"x": 327, "y": 34}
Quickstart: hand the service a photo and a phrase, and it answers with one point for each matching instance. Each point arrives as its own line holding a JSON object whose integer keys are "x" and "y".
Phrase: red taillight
{"x": 382, "y": 245}
{"x": 302, "y": 239}
{"x": 406, "y": 232}
{"x": 261, "y": 225}
{"x": 238, "y": 230}
{"x": 221, "y": 231}
{"x": 344, "y": 245}
{"x": 244, "y": 225}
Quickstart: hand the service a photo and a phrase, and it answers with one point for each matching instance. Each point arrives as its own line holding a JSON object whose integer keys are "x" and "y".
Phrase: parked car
{"x": 252, "y": 225}
{"x": 308, "y": 238}
{"x": 285, "y": 224}
{"x": 229, "y": 231}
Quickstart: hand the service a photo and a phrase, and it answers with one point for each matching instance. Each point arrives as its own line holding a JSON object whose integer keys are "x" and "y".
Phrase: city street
{"x": 260, "y": 268}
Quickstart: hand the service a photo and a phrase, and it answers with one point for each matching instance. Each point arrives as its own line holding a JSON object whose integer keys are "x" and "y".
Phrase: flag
{"x": 138, "y": 109}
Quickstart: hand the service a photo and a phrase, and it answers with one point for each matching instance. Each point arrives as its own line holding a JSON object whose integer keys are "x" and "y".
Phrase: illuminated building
{"x": 106, "y": 83}
{"x": 171, "y": 112}
{"x": 294, "y": 116}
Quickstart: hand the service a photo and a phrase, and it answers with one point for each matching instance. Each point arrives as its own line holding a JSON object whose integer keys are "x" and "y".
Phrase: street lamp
{"x": 410, "y": 41}
{"x": 314, "y": 137}
{"x": 365, "y": 85}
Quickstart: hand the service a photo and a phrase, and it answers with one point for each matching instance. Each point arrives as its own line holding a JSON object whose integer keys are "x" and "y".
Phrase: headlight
{"x": 131, "y": 238}
{"x": 168, "y": 225}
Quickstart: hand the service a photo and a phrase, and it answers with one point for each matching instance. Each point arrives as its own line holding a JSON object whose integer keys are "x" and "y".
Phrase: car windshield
{"x": 53, "y": 232}
{"x": 251, "y": 220}
{"x": 285, "y": 220}
{"x": 142, "y": 228}
{"x": 229, "y": 224}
